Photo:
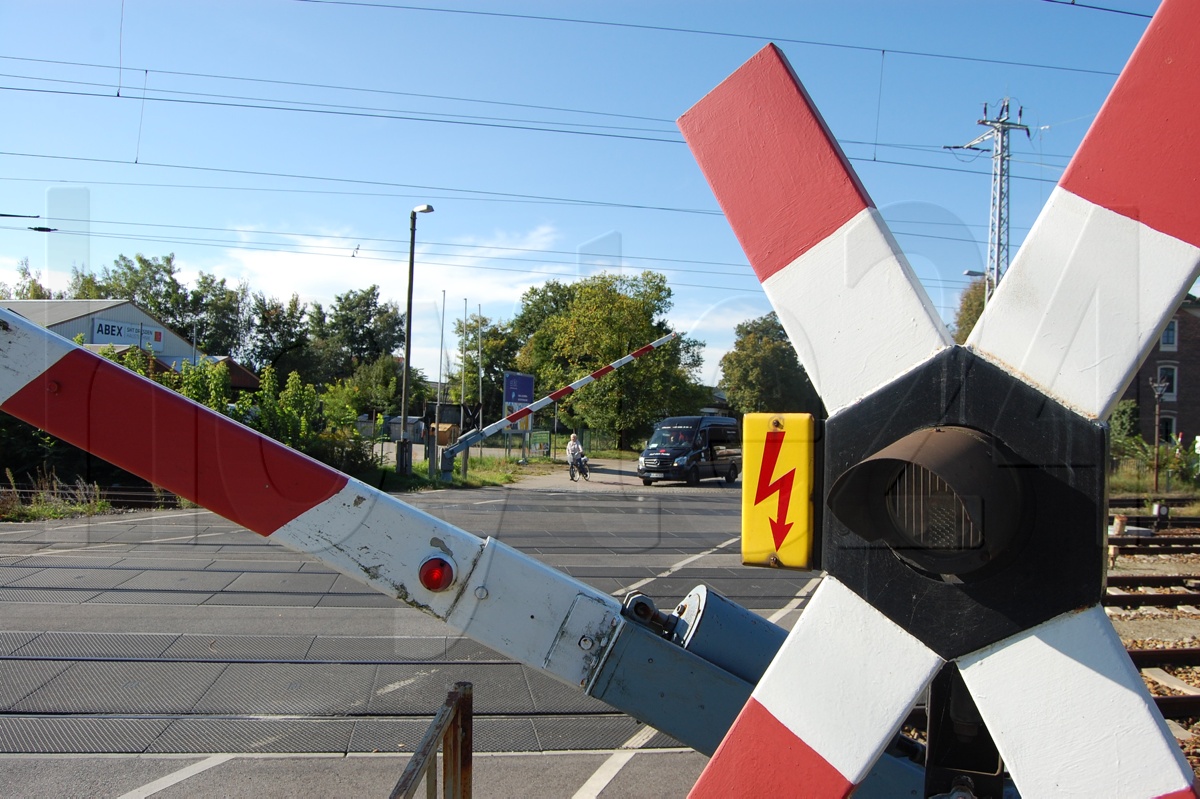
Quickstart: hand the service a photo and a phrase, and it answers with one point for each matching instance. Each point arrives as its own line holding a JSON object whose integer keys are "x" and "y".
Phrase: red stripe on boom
{"x": 562, "y": 392}
{"x": 602, "y": 372}
{"x": 1139, "y": 158}
{"x": 642, "y": 351}
{"x": 761, "y": 757}
{"x": 775, "y": 168}
{"x": 518, "y": 415}
{"x": 162, "y": 437}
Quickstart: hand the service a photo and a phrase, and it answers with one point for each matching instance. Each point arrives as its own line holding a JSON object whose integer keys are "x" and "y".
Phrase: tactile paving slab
{"x": 8, "y": 574}
{"x": 123, "y": 687}
{"x": 97, "y": 645}
{"x": 265, "y": 600}
{"x": 489, "y": 733}
{"x": 404, "y": 690}
{"x": 552, "y": 696}
{"x": 254, "y": 735}
{"x": 279, "y": 582}
{"x": 359, "y": 601}
{"x": 289, "y": 689}
{"x": 12, "y": 641}
{"x": 391, "y": 735}
{"x": 378, "y": 650}
{"x": 464, "y": 650}
{"x": 61, "y": 596}
{"x": 38, "y": 735}
{"x": 239, "y": 647}
{"x": 179, "y": 580}
{"x": 69, "y": 561}
{"x": 261, "y": 565}
{"x": 20, "y": 678}
{"x": 123, "y": 597}
{"x": 73, "y": 578}
{"x": 558, "y": 733}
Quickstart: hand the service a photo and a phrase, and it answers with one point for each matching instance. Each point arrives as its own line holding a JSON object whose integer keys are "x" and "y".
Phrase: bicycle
{"x": 579, "y": 468}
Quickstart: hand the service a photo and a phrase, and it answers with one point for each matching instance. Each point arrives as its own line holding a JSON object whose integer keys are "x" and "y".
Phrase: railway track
{"x": 1163, "y": 544}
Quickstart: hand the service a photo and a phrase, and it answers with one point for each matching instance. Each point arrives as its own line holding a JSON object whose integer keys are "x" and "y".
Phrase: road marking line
{"x": 800, "y": 596}
{"x": 200, "y": 512}
{"x": 609, "y": 769}
{"x": 116, "y": 544}
{"x": 675, "y": 568}
{"x": 177, "y": 777}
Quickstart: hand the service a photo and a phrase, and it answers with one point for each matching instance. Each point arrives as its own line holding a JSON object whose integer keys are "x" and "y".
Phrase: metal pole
{"x": 437, "y": 408}
{"x": 412, "y": 246}
{"x": 1159, "y": 387}
{"x": 479, "y": 364}
{"x": 412, "y": 250}
{"x": 462, "y": 391}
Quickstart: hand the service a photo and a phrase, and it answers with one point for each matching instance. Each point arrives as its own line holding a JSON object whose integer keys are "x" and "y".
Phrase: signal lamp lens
{"x": 436, "y": 574}
{"x": 947, "y": 500}
{"x": 929, "y": 513}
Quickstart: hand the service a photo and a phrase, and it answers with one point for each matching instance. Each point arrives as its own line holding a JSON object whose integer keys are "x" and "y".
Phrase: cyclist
{"x": 574, "y": 452}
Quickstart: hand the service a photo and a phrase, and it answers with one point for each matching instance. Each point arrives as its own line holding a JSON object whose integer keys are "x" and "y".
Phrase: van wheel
{"x": 646, "y": 482}
{"x": 693, "y": 477}
{"x": 731, "y": 475}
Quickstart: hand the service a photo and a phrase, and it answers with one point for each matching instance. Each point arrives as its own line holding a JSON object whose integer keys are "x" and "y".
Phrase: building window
{"x": 1169, "y": 377}
{"x": 1168, "y": 341}
{"x": 1166, "y": 428}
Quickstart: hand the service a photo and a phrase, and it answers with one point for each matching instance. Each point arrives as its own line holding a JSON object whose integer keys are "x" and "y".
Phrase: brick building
{"x": 1175, "y": 361}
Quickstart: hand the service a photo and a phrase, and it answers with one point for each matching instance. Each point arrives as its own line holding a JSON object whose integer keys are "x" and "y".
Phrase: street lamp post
{"x": 987, "y": 282}
{"x": 405, "y": 443}
{"x": 1159, "y": 387}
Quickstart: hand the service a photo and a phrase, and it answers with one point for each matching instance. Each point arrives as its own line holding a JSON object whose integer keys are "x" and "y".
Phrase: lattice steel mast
{"x": 998, "y": 218}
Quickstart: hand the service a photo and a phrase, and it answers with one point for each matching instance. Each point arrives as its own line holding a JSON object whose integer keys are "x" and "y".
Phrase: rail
{"x": 451, "y": 727}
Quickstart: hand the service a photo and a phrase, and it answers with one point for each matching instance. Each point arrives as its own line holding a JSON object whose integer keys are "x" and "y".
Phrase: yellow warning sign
{"x": 777, "y": 486}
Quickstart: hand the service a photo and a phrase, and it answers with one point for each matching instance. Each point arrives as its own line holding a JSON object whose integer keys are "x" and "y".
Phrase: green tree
{"x": 151, "y": 284}
{"x": 377, "y": 386}
{"x": 364, "y": 327}
{"x": 1123, "y": 430}
{"x": 208, "y": 384}
{"x": 596, "y": 321}
{"x": 291, "y": 415}
{"x": 970, "y": 308}
{"x": 278, "y": 333}
{"x": 29, "y": 285}
{"x": 762, "y": 374}
{"x": 219, "y": 316}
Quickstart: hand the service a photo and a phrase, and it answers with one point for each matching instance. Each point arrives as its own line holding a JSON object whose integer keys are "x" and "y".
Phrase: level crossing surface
{"x": 172, "y": 651}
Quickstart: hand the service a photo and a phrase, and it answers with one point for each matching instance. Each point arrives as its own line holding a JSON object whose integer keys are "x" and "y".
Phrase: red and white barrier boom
{"x": 964, "y": 487}
{"x": 487, "y": 590}
{"x": 468, "y": 440}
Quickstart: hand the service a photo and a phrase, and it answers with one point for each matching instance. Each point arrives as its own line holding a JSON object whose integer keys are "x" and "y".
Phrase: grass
{"x": 485, "y": 471}
{"x": 50, "y": 498}
{"x": 1132, "y": 485}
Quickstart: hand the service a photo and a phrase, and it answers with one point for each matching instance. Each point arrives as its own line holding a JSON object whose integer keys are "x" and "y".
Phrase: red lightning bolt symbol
{"x": 766, "y": 487}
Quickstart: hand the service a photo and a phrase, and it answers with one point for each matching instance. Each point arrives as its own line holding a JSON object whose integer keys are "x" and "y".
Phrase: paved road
{"x": 174, "y": 653}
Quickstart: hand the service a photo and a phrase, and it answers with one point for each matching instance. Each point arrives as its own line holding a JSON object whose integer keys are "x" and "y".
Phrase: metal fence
{"x": 451, "y": 728}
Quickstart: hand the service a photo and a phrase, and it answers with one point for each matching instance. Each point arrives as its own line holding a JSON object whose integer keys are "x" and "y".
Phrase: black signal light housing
{"x": 965, "y": 504}
{"x": 952, "y": 501}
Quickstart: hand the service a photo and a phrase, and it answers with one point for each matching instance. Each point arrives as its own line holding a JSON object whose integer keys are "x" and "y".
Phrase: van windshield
{"x": 670, "y": 437}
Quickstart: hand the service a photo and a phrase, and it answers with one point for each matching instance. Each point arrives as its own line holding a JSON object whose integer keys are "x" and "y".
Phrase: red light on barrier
{"x": 436, "y": 574}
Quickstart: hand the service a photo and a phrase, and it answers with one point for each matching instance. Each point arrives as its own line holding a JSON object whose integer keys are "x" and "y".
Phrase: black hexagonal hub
{"x": 1057, "y": 559}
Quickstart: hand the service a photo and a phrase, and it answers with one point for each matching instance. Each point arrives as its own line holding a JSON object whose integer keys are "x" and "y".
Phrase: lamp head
{"x": 423, "y": 209}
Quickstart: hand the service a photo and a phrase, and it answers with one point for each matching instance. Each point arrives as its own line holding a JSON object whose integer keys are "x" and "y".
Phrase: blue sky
{"x": 271, "y": 140}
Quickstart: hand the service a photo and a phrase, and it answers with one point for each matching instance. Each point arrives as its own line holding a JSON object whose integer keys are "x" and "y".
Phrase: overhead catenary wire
{"x": 698, "y": 32}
